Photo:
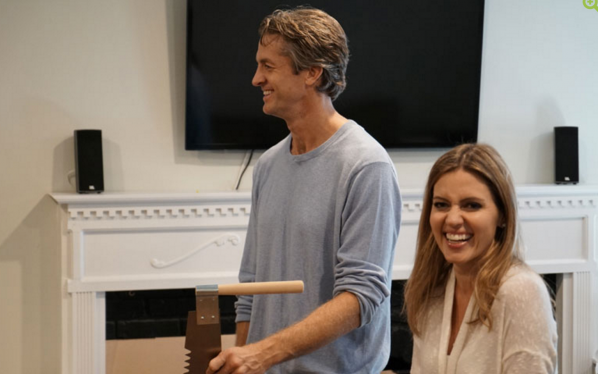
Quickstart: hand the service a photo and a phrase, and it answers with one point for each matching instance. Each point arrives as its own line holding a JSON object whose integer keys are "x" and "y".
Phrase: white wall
{"x": 119, "y": 66}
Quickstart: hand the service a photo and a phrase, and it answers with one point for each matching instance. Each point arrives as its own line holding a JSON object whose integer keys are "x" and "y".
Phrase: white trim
{"x": 118, "y": 241}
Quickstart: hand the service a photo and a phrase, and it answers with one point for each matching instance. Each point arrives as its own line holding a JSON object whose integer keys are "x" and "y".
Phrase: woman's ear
{"x": 502, "y": 222}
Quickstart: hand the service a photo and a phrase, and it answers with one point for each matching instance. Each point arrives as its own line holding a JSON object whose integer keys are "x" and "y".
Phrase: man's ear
{"x": 313, "y": 75}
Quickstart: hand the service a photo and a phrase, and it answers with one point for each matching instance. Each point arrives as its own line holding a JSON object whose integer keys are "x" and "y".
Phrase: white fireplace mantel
{"x": 135, "y": 241}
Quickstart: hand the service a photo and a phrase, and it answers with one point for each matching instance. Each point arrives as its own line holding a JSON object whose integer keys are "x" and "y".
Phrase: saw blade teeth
{"x": 187, "y": 366}
{"x": 192, "y": 364}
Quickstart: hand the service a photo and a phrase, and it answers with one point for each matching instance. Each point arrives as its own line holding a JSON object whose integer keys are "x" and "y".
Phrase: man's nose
{"x": 258, "y": 78}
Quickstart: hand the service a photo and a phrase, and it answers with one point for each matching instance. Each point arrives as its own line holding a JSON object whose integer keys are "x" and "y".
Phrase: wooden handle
{"x": 255, "y": 288}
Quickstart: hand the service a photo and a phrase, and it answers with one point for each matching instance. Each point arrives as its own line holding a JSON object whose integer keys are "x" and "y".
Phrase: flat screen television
{"x": 413, "y": 79}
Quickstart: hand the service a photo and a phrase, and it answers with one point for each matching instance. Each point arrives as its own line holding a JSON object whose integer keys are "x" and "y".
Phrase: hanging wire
{"x": 243, "y": 171}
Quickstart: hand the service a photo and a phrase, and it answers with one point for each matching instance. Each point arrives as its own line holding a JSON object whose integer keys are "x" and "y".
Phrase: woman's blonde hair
{"x": 430, "y": 271}
{"x": 313, "y": 38}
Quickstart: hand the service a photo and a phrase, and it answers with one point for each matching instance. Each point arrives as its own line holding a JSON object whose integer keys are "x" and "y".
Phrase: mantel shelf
{"x": 107, "y": 198}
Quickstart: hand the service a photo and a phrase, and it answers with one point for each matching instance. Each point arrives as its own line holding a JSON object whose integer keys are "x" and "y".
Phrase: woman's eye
{"x": 473, "y": 206}
{"x": 440, "y": 205}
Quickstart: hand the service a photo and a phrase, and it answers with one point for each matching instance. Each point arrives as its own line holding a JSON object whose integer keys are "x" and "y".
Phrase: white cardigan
{"x": 523, "y": 337}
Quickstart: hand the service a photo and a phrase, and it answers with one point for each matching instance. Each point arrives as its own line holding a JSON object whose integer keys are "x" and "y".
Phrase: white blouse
{"x": 523, "y": 338}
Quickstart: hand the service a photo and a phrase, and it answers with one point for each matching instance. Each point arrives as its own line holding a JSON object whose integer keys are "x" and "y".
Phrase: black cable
{"x": 245, "y": 168}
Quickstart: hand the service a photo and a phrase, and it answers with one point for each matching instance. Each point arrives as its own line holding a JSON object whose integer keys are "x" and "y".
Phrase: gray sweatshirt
{"x": 331, "y": 218}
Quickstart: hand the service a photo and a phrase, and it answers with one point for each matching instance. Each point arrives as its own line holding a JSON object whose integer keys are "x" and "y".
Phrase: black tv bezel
{"x": 192, "y": 143}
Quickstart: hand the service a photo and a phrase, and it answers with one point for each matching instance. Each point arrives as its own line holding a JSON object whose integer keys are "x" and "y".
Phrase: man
{"x": 325, "y": 209}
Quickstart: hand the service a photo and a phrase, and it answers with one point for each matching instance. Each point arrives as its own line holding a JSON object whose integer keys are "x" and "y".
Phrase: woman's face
{"x": 464, "y": 218}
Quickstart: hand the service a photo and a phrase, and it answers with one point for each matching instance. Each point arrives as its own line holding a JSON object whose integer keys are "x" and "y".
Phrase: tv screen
{"x": 413, "y": 78}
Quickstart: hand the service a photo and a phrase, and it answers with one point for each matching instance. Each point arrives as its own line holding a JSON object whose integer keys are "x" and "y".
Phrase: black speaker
{"x": 566, "y": 155}
{"x": 89, "y": 165}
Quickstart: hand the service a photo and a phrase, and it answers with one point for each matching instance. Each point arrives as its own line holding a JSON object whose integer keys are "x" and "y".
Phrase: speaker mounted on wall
{"x": 566, "y": 155}
{"x": 89, "y": 164}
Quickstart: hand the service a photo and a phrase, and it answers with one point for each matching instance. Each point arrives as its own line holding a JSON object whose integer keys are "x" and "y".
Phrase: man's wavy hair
{"x": 431, "y": 270}
{"x": 313, "y": 38}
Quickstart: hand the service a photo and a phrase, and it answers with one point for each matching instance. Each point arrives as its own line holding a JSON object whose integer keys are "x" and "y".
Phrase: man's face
{"x": 284, "y": 91}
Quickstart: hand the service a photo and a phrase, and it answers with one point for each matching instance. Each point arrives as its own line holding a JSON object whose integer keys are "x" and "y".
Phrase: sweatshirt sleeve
{"x": 371, "y": 220}
{"x": 244, "y": 303}
{"x": 530, "y": 337}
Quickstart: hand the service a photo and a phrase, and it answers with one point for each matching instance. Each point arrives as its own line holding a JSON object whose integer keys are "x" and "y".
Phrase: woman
{"x": 472, "y": 303}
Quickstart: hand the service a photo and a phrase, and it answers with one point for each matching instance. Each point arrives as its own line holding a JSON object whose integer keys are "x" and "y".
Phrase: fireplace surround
{"x": 153, "y": 241}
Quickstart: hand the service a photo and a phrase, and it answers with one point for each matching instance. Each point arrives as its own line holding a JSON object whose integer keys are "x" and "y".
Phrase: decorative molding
{"x": 528, "y": 203}
{"x": 576, "y": 339}
{"x": 413, "y": 206}
{"x": 131, "y": 213}
{"x": 582, "y": 322}
{"x": 557, "y": 203}
{"x": 88, "y": 333}
{"x": 234, "y": 239}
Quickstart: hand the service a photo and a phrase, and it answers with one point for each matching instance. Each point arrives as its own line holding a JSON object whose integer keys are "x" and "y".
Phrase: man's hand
{"x": 331, "y": 320}
{"x": 238, "y": 360}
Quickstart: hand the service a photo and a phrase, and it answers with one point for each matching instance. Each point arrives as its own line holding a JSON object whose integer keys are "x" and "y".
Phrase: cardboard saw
{"x": 202, "y": 338}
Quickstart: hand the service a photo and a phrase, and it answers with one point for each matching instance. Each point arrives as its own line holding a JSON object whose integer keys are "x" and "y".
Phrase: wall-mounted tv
{"x": 413, "y": 79}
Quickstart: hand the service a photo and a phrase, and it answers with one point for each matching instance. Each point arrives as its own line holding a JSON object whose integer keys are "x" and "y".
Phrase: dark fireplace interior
{"x": 163, "y": 313}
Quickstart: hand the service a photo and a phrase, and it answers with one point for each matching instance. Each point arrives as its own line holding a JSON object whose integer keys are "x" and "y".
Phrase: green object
{"x": 591, "y": 4}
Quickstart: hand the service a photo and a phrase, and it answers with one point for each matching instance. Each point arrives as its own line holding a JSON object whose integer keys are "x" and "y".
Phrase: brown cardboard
{"x": 150, "y": 356}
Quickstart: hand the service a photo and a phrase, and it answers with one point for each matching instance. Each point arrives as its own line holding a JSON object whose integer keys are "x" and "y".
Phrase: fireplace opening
{"x": 163, "y": 313}
{"x": 158, "y": 313}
